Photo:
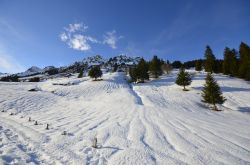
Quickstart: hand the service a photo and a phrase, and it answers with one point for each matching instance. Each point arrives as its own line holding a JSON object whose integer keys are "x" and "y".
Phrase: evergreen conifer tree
{"x": 244, "y": 63}
{"x": 218, "y": 66}
{"x": 155, "y": 67}
{"x": 183, "y": 78}
{"x": 142, "y": 71}
{"x": 80, "y": 74}
{"x": 95, "y": 72}
{"x": 209, "y": 60}
{"x": 234, "y": 63}
{"x": 227, "y": 61}
{"x": 198, "y": 65}
{"x": 133, "y": 74}
{"x": 211, "y": 92}
{"x": 230, "y": 63}
{"x": 177, "y": 64}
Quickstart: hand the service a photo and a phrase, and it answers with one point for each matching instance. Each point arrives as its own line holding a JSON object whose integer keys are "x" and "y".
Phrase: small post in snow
{"x": 47, "y": 127}
{"x": 64, "y": 133}
{"x": 36, "y": 123}
{"x": 29, "y": 119}
{"x": 94, "y": 143}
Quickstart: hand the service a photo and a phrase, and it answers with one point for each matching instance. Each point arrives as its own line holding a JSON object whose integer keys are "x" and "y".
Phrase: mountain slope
{"x": 151, "y": 123}
{"x": 31, "y": 71}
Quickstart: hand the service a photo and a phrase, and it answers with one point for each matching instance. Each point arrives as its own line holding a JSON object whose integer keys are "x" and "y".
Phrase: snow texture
{"x": 151, "y": 123}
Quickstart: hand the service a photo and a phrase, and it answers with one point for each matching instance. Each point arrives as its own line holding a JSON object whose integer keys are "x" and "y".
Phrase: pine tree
{"x": 142, "y": 71}
{"x": 177, "y": 64}
{"x": 132, "y": 74}
{"x": 234, "y": 63}
{"x": 155, "y": 67}
{"x": 209, "y": 60}
{"x": 198, "y": 65}
{"x": 227, "y": 61}
{"x": 80, "y": 74}
{"x": 230, "y": 63}
{"x": 211, "y": 92}
{"x": 218, "y": 66}
{"x": 115, "y": 67}
{"x": 183, "y": 78}
{"x": 244, "y": 63}
{"x": 95, "y": 72}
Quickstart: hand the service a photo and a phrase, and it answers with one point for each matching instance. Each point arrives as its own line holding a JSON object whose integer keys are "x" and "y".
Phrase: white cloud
{"x": 75, "y": 38}
{"x": 79, "y": 42}
{"x": 76, "y": 27}
{"x": 9, "y": 65}
{"x": 74, "y": 35}
{"x": 110, "y": 38}
{"x": 64, "y": 37}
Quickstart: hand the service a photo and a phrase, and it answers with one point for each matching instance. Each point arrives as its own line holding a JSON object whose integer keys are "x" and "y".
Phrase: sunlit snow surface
{"x": 150, "y": 123}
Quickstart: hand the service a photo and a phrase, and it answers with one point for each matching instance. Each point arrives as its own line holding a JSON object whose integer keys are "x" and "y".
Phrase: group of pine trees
{"x": 211, "y": 92}
{"x": 140, "y": 72}
{"x": 233, "y": 65}
{"x": 236, "y": 64}
{"x": 95, "y": 72}
{"x": 143, "y": 70}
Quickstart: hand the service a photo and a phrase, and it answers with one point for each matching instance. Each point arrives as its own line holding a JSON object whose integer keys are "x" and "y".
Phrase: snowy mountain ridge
{"x": 85, "y": 63}
{"x": 123, "y": 59}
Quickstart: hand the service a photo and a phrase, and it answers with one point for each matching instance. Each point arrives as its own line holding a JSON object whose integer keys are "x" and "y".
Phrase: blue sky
{"x": 59, "y": 32}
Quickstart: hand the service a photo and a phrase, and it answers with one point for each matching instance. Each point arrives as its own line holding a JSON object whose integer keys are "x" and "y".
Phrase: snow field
{"x": 151, "y": 123}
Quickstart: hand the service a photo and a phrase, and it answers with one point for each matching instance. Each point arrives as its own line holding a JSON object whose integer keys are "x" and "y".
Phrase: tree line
{"x": 235, "y": 64}
{"x": 154, "y": 68}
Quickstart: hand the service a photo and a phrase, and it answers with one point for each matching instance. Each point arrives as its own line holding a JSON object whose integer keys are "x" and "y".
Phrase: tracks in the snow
{"x": 12, "y": 148}
{"x": 44, "y": 150}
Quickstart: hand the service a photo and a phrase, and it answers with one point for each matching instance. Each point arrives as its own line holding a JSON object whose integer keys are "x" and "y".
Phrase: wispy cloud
{"x": 8, "y": 64}
{"x": 111, "y": 39}
{"x": 75, "y": 38}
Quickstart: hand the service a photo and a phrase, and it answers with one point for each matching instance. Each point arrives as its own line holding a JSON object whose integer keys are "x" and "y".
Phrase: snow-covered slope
{"x": 151, "y": 123}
